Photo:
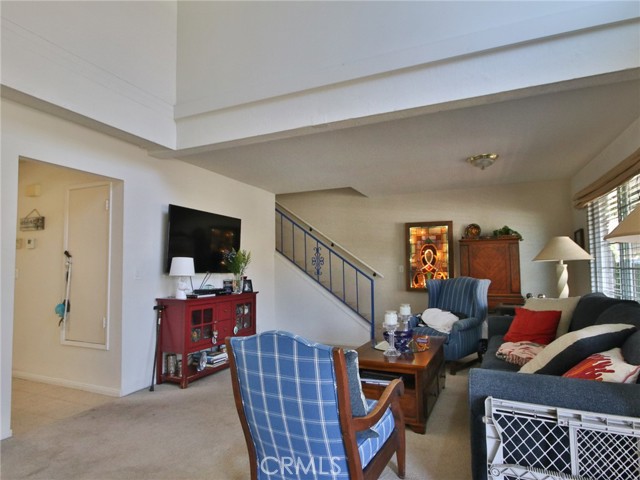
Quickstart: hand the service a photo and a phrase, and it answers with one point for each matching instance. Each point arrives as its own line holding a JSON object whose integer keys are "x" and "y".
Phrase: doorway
{"x": 41, "y": 350}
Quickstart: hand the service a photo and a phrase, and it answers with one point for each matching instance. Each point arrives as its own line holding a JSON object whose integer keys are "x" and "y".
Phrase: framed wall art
{"x": 578, "y": 237}
{"x": 429, "y": 252}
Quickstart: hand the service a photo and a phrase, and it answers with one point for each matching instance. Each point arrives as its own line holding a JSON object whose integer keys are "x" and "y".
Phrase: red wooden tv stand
{"x": 197, "y": 325}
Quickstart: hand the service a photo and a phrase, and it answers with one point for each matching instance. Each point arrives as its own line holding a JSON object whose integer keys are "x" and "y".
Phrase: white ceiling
{"x": 544, "y": 135}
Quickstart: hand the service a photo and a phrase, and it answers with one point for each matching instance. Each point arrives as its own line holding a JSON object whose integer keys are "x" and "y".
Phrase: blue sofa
{"x": 499, "y": 379}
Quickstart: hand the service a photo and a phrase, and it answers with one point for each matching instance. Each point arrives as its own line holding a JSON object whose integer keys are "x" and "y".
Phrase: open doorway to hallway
{"x": 53, "y": 375}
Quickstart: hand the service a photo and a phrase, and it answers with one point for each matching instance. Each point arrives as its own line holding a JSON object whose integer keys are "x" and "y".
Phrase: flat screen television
{"x": 202, "y": 235}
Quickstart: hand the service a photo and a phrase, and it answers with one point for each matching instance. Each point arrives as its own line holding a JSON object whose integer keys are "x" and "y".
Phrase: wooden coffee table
{"x": 423, "y": 375}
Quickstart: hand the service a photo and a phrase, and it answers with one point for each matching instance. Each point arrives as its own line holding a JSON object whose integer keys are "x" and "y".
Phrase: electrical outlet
{"x": 31, "y": 243}
{"x": 18, "y": 243}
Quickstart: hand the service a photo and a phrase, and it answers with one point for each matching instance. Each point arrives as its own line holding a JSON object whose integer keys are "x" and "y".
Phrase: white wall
{"x": 149, "y": 186}
{"x": 373, "y": 229}
{"x": 114, "y": 62}
{"x": 618, "y": 150}
{"x": 232, "y": 71}
{"x": 335, "y": 42}
{"x": 306, "y": 309}
{"x": 352, "y": 61}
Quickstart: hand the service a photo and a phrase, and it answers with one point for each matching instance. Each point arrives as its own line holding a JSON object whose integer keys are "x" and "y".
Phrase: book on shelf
{"x": 216, "y": 358}
{"x": 217, "y": 354}
{"x": 217, "y": 364}
{"x": 377, "y": 378}
{"x": 376, "y": 381}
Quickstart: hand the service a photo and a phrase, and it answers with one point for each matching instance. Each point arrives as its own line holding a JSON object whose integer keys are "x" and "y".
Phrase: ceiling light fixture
{"x": 483, "y": 160}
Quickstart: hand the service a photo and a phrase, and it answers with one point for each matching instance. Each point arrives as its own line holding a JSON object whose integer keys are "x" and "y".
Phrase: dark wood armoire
{"x": 497, "y": 259}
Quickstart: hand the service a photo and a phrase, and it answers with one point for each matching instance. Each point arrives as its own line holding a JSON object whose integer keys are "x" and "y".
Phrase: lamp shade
{"x": 561, "y": 249}
{"x": 627, "y": 231}
{"x": 182, "y": 267}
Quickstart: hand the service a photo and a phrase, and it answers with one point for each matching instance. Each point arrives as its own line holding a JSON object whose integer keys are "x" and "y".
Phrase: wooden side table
{"x": 423, "y": 375}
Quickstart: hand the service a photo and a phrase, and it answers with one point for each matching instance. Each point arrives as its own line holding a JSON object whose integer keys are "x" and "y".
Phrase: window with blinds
{"x": 615, "y": 268}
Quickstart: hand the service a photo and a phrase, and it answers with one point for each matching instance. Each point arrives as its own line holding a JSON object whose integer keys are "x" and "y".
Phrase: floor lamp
{"x": 562, "y": 249}
{"x": 628, "y": 230}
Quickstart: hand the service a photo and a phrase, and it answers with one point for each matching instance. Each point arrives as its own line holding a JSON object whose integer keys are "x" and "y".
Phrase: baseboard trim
{"x": 61, "y": 382}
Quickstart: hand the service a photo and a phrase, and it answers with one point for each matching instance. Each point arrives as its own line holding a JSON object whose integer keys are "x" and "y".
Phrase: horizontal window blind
{"x": 615, "y": 268}
{"x": 623, "y": 172}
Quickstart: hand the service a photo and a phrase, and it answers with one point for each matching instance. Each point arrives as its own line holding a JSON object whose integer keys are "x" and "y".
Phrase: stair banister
{"x": 352, "y": 271}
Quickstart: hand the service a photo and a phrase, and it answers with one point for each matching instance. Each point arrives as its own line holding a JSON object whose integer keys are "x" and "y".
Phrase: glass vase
{"x": 238, "y": 283}
{"x": 391, "y": 350}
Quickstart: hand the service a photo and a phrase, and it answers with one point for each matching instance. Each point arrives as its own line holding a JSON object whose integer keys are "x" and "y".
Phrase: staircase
{"x": 332, "y": 267}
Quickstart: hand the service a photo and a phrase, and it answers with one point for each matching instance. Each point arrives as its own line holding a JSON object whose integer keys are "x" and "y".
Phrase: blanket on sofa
{"x": 518, "y": 353}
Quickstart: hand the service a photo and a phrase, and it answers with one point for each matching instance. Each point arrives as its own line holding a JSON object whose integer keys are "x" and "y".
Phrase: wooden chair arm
{"x": 390, "y": 397}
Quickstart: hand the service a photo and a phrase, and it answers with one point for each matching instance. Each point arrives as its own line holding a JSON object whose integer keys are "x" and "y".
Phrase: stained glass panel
{"x": 429, "y": 252}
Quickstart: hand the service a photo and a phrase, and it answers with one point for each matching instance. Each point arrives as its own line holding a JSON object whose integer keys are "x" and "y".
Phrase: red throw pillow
{"x": 607, "y": 366}
{"x": 533, "y": 326}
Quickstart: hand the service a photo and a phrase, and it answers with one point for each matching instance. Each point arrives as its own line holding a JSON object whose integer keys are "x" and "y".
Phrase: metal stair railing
{"x": 329, "y": 265}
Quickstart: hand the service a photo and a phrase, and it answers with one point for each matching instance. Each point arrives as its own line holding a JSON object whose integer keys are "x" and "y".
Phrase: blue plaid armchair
{"x": 466, "y": 297}
{"x": 293, "y": 400}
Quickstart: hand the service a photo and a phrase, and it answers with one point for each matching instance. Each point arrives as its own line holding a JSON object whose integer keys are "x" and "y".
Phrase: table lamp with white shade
{"x": 182, "y": 267}
{"x": 562, "y": 249}
{"x": 628, "y": 230}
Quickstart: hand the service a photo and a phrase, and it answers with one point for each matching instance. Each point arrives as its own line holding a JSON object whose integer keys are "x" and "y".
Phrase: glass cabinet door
{"x": 207, "y": 324}
{"x": 202, "y": 320}
{"x": 243, "y": 316}
{"x": 196, "y": 326}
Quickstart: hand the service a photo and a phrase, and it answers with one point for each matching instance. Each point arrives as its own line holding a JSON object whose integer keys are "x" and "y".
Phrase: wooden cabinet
{"x": 497, "y": 259}
{"x": 198, "y": 326}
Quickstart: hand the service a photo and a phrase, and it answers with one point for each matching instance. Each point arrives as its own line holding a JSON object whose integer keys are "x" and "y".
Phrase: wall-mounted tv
{"x": 202, "y": 235}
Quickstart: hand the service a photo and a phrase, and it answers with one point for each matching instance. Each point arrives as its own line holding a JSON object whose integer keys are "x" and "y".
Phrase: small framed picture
{"x": 247, "y": 286}
{"x": 578, "y": 237}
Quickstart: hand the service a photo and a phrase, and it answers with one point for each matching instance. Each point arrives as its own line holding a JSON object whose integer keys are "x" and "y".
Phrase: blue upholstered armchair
{"x": 466, "y": 297}
{"x": 294, "y": 403}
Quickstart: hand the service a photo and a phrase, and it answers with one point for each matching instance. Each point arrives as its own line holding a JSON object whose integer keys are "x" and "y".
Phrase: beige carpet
{"x": 195, "y": 434}
{"x": 34, "y": 404}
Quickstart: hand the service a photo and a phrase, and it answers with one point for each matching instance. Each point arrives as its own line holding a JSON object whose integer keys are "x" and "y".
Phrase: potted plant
{"x": 237, "y": 262}
{"x": 507, "y": 232}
